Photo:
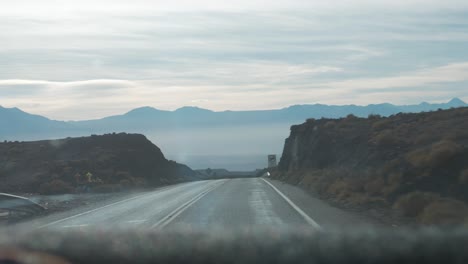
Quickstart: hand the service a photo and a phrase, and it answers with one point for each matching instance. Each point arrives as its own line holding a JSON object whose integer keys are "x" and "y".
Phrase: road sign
{"x": 271, "y": 161}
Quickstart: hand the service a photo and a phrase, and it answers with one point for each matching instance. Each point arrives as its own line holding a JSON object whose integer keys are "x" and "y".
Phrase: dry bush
{"x": 439, "y": 153}
{"x": 444, "y": 212}
{"x": 393, "y": 183}
{"x": 322, "y": 185}
{"x": 391, "y": 166}
{"x": 463, "y": 178}
{"x": 413, "y": 204}
{"x": 337, "y": 187}
{"x": 309, "y": 179}
{"x": 385, "y": 138}
{"x": 395, "y": 178}
{"x": 329, "y": 124}
{"x": 375, "y": 187}
{"x": 362, "y": 199}
{"x": 55, "y": 187}
{"x": 418, "y": 158}
{"x": 443, "y": 151}
{"x": 356, "y": 184}
{"x": 382, "y": 124}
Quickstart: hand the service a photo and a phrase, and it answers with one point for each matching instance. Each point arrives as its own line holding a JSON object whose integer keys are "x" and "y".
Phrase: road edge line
{"x": 306, "y": 217}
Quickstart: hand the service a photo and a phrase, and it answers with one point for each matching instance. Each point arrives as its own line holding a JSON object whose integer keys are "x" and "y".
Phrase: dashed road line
{"x": 171, "y": 216}
{"x": 136, "y": 221}
{"x": 74, "y": 226}
{"x": 109, "y": 205}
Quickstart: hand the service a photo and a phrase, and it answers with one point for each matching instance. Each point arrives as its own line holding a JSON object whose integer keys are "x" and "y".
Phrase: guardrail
{"x": 17, "y": 204}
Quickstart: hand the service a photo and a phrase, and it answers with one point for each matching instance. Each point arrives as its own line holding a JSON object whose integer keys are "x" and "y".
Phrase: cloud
{"x": 86, "y": 59}
{"x": 59, "y": 8}
{"x": 98, "y": 98}
{"x": 455, "y": 72}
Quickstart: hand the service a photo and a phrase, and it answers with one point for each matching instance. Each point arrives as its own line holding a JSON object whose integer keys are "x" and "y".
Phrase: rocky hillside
{"x": 98, "y": 163}
{"x": 414, "y": 164}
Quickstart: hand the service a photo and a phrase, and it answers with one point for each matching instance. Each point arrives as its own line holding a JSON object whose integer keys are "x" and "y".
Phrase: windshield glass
{"x": 223, "y": 116}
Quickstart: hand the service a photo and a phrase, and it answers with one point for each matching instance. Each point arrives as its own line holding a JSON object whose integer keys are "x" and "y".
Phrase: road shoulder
{"x": 324, "y": 214}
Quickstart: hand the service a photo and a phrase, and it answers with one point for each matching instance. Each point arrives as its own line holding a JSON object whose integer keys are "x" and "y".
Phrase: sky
{"x": 76, "y": 60}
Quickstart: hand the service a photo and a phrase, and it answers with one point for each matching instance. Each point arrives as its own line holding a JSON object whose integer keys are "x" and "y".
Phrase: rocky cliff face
{"x": 106, "y": 162}
{"x": 406, "y": 161}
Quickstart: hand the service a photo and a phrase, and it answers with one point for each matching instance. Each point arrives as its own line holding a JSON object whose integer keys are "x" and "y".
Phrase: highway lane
{"x": 241, "y": 203}
{"x": 225, "y": 203}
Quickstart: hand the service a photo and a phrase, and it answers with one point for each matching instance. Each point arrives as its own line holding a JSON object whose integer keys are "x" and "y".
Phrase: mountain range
{"x": 201, "y": 138}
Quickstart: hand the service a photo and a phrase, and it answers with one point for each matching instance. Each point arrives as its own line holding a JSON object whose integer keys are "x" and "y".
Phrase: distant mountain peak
{"x": 456, "y": 101}
{"x": 144, "y": 109}
{"x": 192, "y": 109}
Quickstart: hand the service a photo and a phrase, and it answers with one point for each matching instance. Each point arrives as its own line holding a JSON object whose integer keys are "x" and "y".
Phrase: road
{"x": 225, "y": 203}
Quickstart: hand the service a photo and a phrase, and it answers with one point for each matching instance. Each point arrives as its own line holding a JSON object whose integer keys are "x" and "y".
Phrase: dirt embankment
{"x": 414, "y": 165}
{"x": 104, "y": 163}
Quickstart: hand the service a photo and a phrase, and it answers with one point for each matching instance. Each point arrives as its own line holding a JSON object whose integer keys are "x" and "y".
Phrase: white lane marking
{"x": 261, "y": 206}
{"x": 100, "y": 208}
{"x": 73, "y": 226}
{"x": 307, "y": 218}
{"x": 171, "y": 216}
{"x": 136, "y": 221}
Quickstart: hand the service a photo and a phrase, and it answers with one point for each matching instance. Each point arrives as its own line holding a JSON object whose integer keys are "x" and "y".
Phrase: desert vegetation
{"x": 415, "y": 165}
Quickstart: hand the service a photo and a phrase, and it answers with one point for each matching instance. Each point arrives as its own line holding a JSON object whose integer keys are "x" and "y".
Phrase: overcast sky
{"x": 73, "y": 60}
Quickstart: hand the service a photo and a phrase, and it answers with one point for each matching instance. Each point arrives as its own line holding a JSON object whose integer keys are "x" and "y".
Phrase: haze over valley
{"x": 200, "y": 138}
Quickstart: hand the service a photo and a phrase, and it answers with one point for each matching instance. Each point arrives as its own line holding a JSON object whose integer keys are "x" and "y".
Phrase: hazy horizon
{"x": 75, "y": 60}
{"x": 230, "y": 110}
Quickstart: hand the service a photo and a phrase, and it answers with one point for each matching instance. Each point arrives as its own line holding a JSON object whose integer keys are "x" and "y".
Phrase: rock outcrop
{"x": 415, "y": 163}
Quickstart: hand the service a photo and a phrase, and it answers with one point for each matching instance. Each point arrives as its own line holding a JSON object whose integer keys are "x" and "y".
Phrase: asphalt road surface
{"x": 225, "y": 203}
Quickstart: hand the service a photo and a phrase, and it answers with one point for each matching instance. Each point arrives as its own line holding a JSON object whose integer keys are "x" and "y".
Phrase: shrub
{"x": 413, "y": 204}
{"x": 375, "y": 186}
{"x": 443, "y": 151}
{"x": 382, "y": 124}
{"x": 337, "y": 187}
{"x": 330, "y": 124}
{"x": 444, "y": 212}
{"x": 439, "y": 153}
{"x": 395, "y": 178}
{"x": 385, "y": 138}
{"x": 55, "y": 187}
{"x": 351, "y": 117}
{"x": 418, "y": 158}
{"x": 463, "y": 178}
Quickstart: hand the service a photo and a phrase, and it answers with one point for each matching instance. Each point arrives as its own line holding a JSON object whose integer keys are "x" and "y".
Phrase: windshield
{"x": 222, "y": 116}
